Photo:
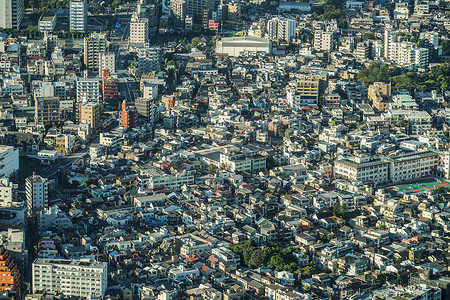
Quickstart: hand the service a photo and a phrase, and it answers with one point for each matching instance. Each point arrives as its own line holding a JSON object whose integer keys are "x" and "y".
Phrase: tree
{"x": 339, "y": 210}
{"x": 258, "y": 258}
{"x": 402, "y": 123}
{"x": 368, "y": 36}
{"x": 446, "y": 47}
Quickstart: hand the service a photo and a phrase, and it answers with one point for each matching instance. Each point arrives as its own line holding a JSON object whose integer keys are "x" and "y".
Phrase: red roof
{"x": 307, "y": 108}
{"x": 205, "y": 268}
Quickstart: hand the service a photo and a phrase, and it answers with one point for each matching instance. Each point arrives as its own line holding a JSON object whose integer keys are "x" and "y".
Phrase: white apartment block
{"x": 79, "y": 278}
{"x": 78, "y": 15}
{"x": 36, "y": 192}
{"x": 11, "y": 13}
{"x": 139, "y": 30}
{"x": 281, "y": 29}
{"x": 88, "y": 90}
{"x": 9, "y": 160}
{"x": 394, "y": 169}
{"x": 171, "y": 181}
{"x": 107, "y": 61}
{"x": 323, "y": 41}
{"x": 7, "y": 192}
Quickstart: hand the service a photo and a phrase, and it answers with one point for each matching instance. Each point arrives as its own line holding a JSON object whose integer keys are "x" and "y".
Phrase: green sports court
{"x": 418, "y": 185}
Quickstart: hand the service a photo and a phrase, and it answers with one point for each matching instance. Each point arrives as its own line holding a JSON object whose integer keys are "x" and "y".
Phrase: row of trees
{"x": 437, "y": 79}
{"x": 273, "y": 256}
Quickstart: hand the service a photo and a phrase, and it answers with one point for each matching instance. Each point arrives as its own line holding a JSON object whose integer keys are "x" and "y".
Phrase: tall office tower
{"x": 78, "y": 15}
{"x": 88, "y": 90}
{"x": 323, "y": 41}
{"x": 81, "y": 278}
{"x": 36, "y": 192}
{"x": 10, "y": 273}
{"x": 194, "y": 8}
{"x": 389, "y": 38}
{"x": 110, "y": 86}
{"x": 89, "y": 113}
{"x": 107, "y": 61}
{"x": 11, "y": 13}
{"x": 139, "y": 31}
{"x": 281, "y": 29}
{"x": 8, "y": 192}
{"x": 178, "y": 12}
{"x": 127, "y": 116}
{"x": 46, "y": 110}
{"x": 94, "y": 46}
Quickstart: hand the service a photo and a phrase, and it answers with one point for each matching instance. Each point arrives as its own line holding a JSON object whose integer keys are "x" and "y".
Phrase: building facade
{"x": 79, "y": 278}
{"x": 78, "y": 15}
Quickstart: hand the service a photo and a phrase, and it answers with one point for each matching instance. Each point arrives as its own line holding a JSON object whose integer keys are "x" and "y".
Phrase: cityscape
{"x": 224, "y": 149}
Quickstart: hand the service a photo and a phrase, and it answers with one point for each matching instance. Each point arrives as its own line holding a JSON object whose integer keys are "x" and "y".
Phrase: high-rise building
{"x": 323, "y": 41}
{"x": 178, "y": 12}
{"x": 80, "y": 278}
{"x": 94, "y": 46}
{"x": 107, "y": 61}
{"x": 234, "y": 16}
{"x": 8, "y": 192}
{"x": 139, "y": 30}
{"x": 145, "y": 107}
{"x": 149, "y": 60}
{"x": 46, "y": 110}
{"x": 11, "y": 13}
{"x": 78, "y": 15}
{"x": 10, "y": 273}
{"x": 127, "y": 116}
{"x": 390, "y": 37}
{"x": 195, "y": 8}
{"x": 110, "y": 86}
{"x": 9, "y": 160}
{"x": 281, "y": 29}
{"x": 88, "y": 90}
{"x": 89, "y": 113}
{"x": 149, "y": 90}
{"x": 36, "y": 192}
{"x": 407, "y": 54}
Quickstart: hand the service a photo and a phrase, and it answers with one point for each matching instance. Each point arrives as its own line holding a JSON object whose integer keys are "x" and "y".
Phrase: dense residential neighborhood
{"x": 224, "y": 150}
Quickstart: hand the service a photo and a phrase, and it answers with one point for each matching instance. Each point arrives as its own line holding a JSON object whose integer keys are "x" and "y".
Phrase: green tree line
{"x": 437, "y": 79}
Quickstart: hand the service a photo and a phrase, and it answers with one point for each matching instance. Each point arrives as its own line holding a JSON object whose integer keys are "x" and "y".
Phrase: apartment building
{"x": 9, "y": 160}
{"x": 178, "y": 12}
{"x": 46, "y": 110}
{"x": 11, "y": 13}
{"x": 9, "y": 272}
{"x": 36, "y": 188}
{"x": 80, "y": 278}
{"x": 8, "y": 192}
{"x": 281, "y": 29}
{"x": 88, "y": 90}
{"x": 149, "y": 60}
{"x": 78, "y": 15}
{"x": 94, "y": 47}
{"x": 323, "y": 41}
{"x": 90, "y": 113}
{"x": 139, "y": 30}
{"x": 171, "y": 181}
{"x": 380, "y": 95}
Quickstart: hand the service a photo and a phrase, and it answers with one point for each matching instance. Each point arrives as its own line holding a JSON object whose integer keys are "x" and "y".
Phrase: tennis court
{"x": 418, "y": 185}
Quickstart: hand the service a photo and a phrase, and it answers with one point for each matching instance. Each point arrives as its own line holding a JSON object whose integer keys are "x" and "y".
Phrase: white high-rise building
{"x": 81, "y": 278}
{"x": 9, "y": 160}
{"x": 107, "y": 62}
{"x": 323, "y": 41}
{"x": 11, "y": 13}
{"x": 406, "y": 54}
{"x": 78, "y": 15}
{"x": 139, "y": 30}
{"x": 36, "y": 192}
{"x": 281, "y": 29}
{"x": 389, "y": 38}
{"x": 88, "y": 90}
{"x": 7, "y": 192}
